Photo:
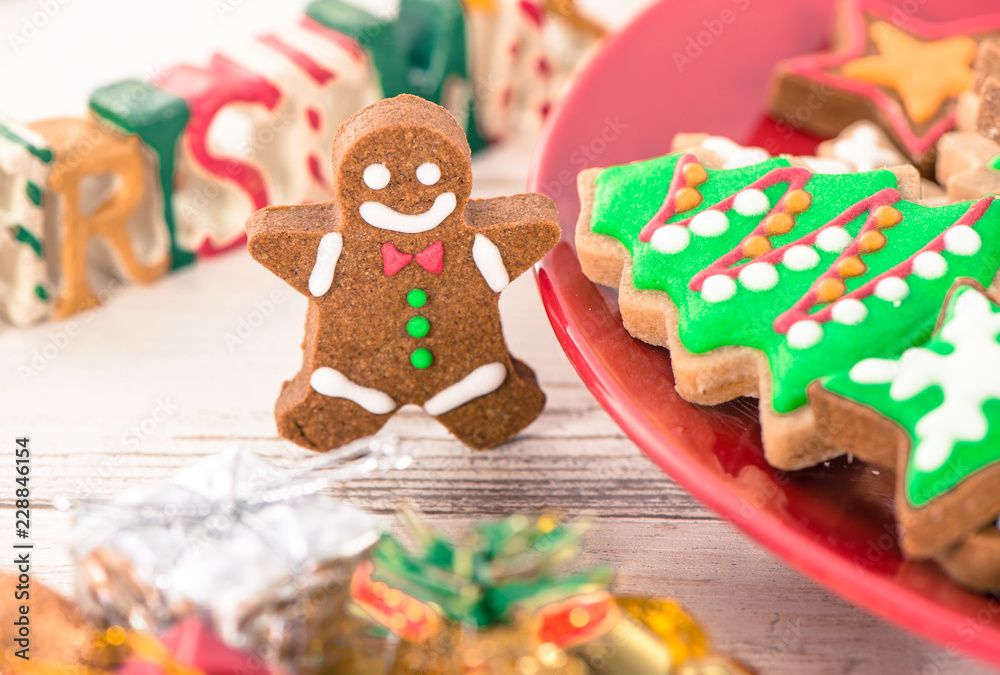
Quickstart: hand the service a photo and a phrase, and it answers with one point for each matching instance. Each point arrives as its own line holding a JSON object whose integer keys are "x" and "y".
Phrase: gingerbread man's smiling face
{"x": 408, "y": 176}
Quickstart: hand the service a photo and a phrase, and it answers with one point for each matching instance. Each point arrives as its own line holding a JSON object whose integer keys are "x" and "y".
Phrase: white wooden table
{"x": 150, "y": 383}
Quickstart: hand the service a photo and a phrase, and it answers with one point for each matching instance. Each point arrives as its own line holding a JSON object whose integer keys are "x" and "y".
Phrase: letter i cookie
{"x": 403, "y": 271}
{"x": 25, "y": 165}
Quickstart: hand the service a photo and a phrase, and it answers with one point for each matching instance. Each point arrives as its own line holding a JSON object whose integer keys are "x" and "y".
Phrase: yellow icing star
{"x": 925, "y": 74}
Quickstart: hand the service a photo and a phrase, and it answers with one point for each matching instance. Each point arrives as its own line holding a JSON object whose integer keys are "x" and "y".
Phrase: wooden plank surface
{"x": 151, "y": 383}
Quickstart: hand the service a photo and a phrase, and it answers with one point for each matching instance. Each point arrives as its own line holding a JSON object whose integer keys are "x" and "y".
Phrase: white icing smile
{"x": 381, "y": 216}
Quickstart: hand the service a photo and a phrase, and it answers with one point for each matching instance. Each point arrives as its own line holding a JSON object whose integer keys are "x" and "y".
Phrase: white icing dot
{"x": 800, "y": 258}
{"x": 931, "y": 454}
{"x": 718, "y": 288}
{"x": 833, "y": 239}
{"x": 759, "y": 276}
{"x": 892, "y": 289}
{"x": 670, "y": 239}
{"x": 962, "y": 240}
{"x": 930, "y": 265}
{"x": 849, "y": 311}
{"x": 874, "y": 371}
{"x": 376, "y": 176}
{"x": 428, "y": 173}
{"x": 804, "y": 334}
{"x": 710, "y": 223}
{"x": 751, "y": 203}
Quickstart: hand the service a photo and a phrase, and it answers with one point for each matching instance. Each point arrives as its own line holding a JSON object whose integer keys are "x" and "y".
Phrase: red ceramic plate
{"x": 704, "y": 66}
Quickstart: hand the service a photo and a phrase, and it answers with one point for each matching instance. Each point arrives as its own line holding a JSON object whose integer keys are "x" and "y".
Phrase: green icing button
{"x": 416, "y": 298}
{"x": 421, "y": 358}
{"x": 418, "y": 326}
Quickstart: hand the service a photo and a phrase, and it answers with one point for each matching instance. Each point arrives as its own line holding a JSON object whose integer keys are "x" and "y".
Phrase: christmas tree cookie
{"x": 933, "y": 414}
{"x": 906, "y": 76}
{"x": 762, "y": 279}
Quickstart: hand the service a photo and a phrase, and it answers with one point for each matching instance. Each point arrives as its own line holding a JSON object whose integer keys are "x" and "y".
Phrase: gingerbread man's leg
{"x": 485, "y": 421}
{"x": 324, "y": 410}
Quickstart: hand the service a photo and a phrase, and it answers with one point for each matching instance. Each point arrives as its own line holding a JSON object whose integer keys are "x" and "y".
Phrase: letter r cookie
{"x": 403, "y": 271}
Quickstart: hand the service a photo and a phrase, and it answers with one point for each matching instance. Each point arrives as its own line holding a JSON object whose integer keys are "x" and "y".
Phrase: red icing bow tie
{"x": 431, "y": 258}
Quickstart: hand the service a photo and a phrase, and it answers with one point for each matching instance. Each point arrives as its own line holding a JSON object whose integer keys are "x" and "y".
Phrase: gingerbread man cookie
{"x": 403, "y": 273}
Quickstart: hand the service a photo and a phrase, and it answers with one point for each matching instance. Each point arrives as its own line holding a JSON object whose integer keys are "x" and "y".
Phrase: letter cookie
{"x": 402, "y": 272}
{"x": 25, "y": 164}
{"x": 101, "y": 184}
{"x": 421, "y": 51}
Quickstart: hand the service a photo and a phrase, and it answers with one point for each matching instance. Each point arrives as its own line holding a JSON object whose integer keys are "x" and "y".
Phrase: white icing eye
{"x": 428, "y": 173}
{"x": 376, "y": 176}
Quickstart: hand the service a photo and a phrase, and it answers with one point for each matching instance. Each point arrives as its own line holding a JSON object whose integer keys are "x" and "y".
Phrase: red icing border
{"x": 669, "y": 208}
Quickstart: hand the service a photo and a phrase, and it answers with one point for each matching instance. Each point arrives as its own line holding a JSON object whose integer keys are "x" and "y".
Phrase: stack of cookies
{"x": 852, "y": 291}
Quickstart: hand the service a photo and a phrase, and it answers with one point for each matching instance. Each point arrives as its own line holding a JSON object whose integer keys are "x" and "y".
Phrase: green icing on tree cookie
{"x": 945, "y": 395}
{"x": 776, "y": 304}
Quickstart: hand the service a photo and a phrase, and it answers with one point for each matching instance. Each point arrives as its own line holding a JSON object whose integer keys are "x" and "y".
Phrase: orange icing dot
{"x": 851, "y": 267}
{"x": 886, "y": 217}
{"x": 756, "y": 246}
{"x": 687, "y": 198}
{"x": 778, "y": 223}
{"x": 829, "y": 290}
{"x": 796, "y": 201}
{"x": 695, "y": 174}
{"x": 872, "y": 241}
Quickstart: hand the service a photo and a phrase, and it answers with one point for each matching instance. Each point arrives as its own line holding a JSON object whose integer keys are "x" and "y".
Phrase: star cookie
{"x": 905, "y": 76}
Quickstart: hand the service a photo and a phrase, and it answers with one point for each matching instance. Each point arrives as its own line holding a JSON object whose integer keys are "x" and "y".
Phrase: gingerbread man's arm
{"x": 523, "y": 228}
{"x": 300, "y": 244}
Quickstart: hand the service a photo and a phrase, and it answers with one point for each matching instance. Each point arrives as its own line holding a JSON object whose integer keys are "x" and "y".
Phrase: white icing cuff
{"x": 327, "y": 255}
{"x": 481, "y": 381}
{"x": 333, "y": 383}
{"x": 487, "y": 258}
